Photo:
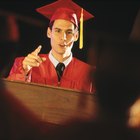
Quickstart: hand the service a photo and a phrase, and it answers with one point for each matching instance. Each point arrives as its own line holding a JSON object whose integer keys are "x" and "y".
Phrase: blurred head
{"x": 117, "y": 76}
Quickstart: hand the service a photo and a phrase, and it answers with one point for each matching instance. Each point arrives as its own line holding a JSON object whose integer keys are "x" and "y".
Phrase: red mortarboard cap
{"x": 64, "y": 9}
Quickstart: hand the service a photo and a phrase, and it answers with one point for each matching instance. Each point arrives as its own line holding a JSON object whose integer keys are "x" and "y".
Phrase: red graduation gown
{"x": 75, "y": 76}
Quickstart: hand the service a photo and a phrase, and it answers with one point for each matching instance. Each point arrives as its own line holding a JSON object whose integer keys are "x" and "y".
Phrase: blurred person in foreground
{"x": 59, "y": 67}
{"x": 134, "y": 112}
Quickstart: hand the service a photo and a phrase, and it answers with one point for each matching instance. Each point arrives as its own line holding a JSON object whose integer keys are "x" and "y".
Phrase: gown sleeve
{"x": 17, "y": 71}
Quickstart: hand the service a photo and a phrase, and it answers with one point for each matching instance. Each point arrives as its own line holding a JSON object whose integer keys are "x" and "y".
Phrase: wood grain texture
{"x": 53, "y": 104}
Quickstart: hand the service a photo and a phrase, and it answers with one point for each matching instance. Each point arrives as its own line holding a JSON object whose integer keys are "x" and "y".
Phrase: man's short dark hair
{"x": 51, "y": 25}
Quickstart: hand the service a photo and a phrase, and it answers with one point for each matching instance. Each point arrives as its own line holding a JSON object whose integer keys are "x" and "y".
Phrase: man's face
{"x": 62, "y": 36}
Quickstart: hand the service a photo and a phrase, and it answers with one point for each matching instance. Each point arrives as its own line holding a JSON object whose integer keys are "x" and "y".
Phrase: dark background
{"x": 112, "y": 18}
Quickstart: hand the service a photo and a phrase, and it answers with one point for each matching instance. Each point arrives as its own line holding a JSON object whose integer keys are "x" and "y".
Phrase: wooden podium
{"x": 53, "y": 104}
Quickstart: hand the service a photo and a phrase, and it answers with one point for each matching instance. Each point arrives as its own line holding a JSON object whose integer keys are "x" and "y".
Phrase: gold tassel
{"x": 81, "y": 30}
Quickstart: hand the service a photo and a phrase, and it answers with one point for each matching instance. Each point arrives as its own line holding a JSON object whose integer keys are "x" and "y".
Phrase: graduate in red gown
{"x": 74, "y": 74}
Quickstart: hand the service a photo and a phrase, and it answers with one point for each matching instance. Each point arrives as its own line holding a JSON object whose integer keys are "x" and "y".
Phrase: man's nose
{"x": 64, "y": 36}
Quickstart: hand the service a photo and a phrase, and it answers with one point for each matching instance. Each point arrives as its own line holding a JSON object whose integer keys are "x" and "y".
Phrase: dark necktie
{"x": 59, "y": 69}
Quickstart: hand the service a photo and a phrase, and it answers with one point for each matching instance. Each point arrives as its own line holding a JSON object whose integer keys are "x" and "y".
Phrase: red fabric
{"x": 77, "y": 75}
{"x": 64, "y": 9}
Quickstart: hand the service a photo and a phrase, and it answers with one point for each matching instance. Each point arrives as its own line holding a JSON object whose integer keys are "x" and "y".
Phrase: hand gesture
{"x": 33, "y": 59}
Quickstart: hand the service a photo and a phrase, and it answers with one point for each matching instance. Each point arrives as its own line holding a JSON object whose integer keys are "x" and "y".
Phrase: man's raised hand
{"x": 33, "y": 59}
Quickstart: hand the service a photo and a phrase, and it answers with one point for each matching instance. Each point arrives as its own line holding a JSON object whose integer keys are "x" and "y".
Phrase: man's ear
{"x": 76, "y": 36}
{"x": 48, "y": 32}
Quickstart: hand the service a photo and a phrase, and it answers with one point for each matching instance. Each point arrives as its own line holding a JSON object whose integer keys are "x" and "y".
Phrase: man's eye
{"x": 58, "y": 30}
{"x": 69, "y": 32}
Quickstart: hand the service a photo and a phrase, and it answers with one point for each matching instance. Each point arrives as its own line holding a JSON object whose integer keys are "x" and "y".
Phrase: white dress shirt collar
{"x": 55, "y": 62}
